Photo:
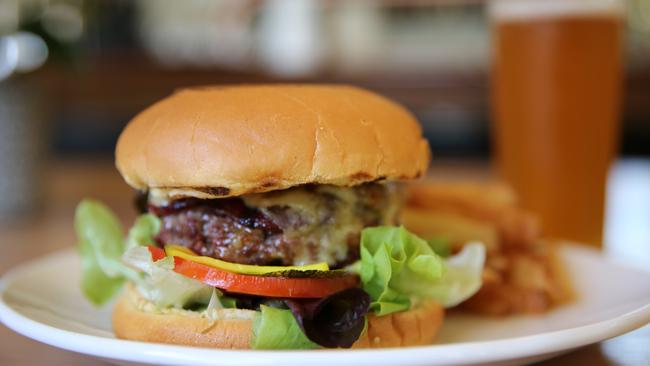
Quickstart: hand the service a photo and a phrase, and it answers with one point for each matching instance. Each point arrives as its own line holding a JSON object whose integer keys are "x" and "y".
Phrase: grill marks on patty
{"x": 224, "y": 229}
{"x": 277, "y": 233}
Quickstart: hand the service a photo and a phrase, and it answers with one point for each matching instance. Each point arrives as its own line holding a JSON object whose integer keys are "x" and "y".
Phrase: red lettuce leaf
{"x": 334, "y": 321}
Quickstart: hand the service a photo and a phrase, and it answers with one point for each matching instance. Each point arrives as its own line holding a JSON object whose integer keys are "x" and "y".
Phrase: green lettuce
{"x": 463, "y": 277}
{"x": 143, "y": 231}
{"x": 219, "y": 301}
{"x": 395, "y": 266}
{"x": 398, "y": 268}
{"x": 277, "y": 329}
{"x": 161, "y": 285}
{"x": 108, "y": 259}
{"x": 441, "y": 246}
{"x": 100, "y": 244}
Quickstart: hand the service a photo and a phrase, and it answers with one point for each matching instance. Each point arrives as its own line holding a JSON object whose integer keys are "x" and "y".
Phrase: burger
{"x": 269, "y": 220}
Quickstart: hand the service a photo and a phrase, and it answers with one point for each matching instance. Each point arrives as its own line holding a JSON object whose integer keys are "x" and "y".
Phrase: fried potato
{"x": 522, "y": 272}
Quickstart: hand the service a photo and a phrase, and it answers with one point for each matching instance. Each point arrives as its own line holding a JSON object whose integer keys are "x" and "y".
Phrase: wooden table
{"x": 67, "y": 182}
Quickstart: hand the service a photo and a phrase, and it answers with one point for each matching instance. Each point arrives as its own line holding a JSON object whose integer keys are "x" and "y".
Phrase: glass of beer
{"x": 556, "y": 96}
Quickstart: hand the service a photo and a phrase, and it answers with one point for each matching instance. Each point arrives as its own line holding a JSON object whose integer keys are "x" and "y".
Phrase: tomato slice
{"x": 156, "y": 253}
{"x": 310, "y": 288}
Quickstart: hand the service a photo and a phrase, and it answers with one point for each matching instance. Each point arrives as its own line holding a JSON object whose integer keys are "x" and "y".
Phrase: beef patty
{"x": 296, "y": 226}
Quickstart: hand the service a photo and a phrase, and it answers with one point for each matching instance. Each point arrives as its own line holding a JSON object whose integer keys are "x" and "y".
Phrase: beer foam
{"x": 514, "y": 10}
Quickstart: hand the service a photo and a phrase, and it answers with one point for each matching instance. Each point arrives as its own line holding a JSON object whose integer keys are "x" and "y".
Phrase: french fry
{"x": 522, "y": 273}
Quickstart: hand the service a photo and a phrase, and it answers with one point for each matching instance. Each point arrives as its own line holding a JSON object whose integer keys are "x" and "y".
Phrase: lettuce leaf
{"x": 397, "y": 268}
{"x": 277, "y": 329}
{"x": 219, "y": 301}
{"x": 463, "y": 278}
{"x": 108, "y": 259}
{"x": 161, "y": 285}
{"x": 441, "y": 246}
{"x": 143, "y": 231}
{"x": 100, "y": 244}
{"x": 96, "y": 286}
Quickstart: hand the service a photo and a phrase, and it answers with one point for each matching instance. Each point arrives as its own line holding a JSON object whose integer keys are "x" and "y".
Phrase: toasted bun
{"x": 134, "y": 320}
{"x": 415, "y": 327}
{"x": 226, "y": 141}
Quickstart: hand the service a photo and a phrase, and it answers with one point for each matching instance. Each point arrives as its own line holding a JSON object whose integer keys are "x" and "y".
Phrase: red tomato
{"x": 156, "y": 253}
{"x": 268, "y": 286}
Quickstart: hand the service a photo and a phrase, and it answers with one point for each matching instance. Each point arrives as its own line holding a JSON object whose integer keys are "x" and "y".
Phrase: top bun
{"x": 226, "y": 141}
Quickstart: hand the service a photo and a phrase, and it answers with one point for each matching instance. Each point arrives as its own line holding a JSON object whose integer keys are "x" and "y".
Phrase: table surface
{"x": 66, "y": 182}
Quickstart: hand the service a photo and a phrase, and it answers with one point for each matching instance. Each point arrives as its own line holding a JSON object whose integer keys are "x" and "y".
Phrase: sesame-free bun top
{"x": 226, "y": 141}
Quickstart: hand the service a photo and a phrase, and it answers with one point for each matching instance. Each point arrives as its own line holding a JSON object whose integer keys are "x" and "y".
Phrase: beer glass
{"x": 556, "y": 95}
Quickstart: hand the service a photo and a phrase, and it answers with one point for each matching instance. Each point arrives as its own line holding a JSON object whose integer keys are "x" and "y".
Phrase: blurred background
{"x": 87, "y": 66}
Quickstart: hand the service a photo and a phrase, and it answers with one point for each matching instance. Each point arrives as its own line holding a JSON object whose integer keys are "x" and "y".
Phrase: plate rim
{"x": 465, "y": 352}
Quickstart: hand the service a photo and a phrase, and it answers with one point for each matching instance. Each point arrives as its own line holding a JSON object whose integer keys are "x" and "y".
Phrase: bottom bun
{"x": 137, "y": 319}
{"x": 415, "y": 327}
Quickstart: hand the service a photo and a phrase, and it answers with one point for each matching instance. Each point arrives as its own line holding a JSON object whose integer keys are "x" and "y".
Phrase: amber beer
{"x": 556, "y": 93}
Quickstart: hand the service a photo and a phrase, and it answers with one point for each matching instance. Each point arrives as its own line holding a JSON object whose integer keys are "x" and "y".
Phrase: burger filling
{"x": 189, "y": 256}
{"x": 297, "y": 226}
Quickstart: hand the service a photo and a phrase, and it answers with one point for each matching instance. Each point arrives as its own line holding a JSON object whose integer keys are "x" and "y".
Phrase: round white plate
{"x": 41, "y": 300}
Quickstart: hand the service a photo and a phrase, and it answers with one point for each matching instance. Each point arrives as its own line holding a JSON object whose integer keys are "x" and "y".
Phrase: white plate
{"x": 41, "y": 300}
